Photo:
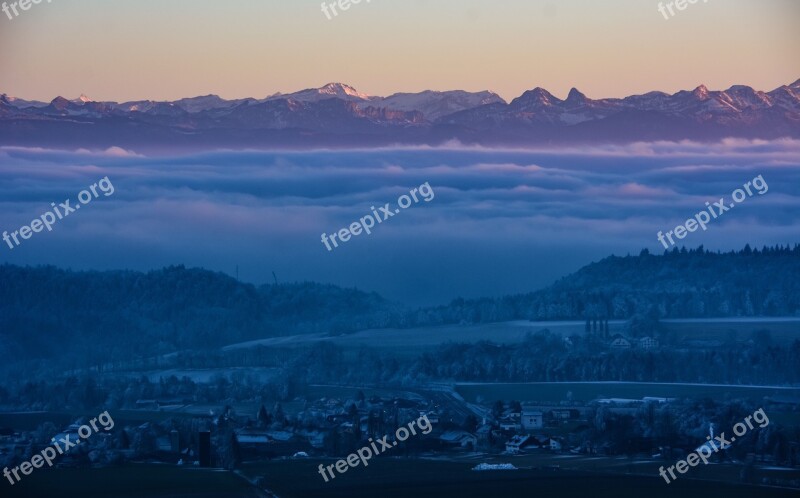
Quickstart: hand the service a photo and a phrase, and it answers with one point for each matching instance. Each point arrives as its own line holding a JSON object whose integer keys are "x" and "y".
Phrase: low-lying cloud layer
{"x": 501, "y": 222}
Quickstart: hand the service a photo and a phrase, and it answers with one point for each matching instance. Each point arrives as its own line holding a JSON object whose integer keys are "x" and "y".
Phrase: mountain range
{"x": 339, "y": 115}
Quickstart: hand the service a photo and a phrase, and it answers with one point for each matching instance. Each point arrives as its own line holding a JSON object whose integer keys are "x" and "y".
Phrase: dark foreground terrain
{"x": 387, "y": 478}
{"x": 131, "y": 481}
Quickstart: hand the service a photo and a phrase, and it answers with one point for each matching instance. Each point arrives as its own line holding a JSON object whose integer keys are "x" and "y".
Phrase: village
{"x": 333, "y": 426}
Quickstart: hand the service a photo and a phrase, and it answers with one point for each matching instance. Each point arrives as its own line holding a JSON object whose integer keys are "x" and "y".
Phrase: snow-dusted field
{"x": 411, "y": 341}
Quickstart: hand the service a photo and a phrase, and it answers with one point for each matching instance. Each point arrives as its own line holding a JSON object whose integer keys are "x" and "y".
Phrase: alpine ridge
{"x": 339, "y": 115}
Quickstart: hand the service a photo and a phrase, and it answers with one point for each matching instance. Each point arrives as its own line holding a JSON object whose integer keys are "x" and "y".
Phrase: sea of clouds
{"x": 503, "y": 221}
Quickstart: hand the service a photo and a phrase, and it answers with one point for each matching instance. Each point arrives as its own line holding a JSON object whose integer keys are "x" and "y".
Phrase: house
{"x": 433, "y": 417}
{"x": 163, "y": 443}
{"x": 648, "y": 343}
{"x": 539, "y": 441}
{"x": 520, "y": 443}
{"x": 332, "y": 402}
{"x": 252, "y": 438}
{"x": 561, "y": 415}
{"x": 348, "y": 428}
{"x": 509, "y": 424}
{"x": 459, "y": 439}
{"x": 70, "y": 432}
{"x": 271, "y": 443}
{"x": 531, "y": 419}
{"x": 659, "y": 400}
{"x": 315, "y": 438}
{"x": 146, "y": 404}
{"x": 338, "y": 418}
{"x": 484, "y": 437}
{"x": 620, "y": 342}
{"x": 516, "y": 444}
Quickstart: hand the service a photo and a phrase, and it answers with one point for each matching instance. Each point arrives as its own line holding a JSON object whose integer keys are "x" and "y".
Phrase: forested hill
{"x": 678, "y": 284}
{"x": 45, "y": 311}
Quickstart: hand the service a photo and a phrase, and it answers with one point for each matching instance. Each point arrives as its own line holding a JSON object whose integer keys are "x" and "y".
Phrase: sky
{"x": 169, "y": 49}
{"x": 499, "y": 222}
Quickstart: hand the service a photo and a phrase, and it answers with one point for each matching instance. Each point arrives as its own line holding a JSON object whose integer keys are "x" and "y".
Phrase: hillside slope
{"x": 46, "y": 311}
{"x": 677, "y": 284}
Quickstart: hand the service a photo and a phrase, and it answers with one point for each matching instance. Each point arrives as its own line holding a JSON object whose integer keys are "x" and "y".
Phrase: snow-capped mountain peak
{"x": 537, "y": 98}
{"x": 742, "y": 97}
{"x": 541, "y": 95}
{"x": 83, "y": 99}
{"x": 329, "y": 91}
{"x": 701, "y": 92}
{"x": 435, "y": 104}
{"x": 340, "y": 88}
{"x": 209, "y": 102}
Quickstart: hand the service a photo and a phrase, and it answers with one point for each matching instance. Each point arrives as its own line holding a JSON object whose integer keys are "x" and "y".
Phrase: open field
{"x": 130, "y": 481}
{"x": 724, "y": 472}
{"x": 316, "y": 391}
{"x": 588, "y": 391}
{"x": 399, "y": 478}
{"x": 402, "y": 478}
{"x": 411, "y": 342}
{"x": 782, "y": 329}
{"x": 209, "y": 374}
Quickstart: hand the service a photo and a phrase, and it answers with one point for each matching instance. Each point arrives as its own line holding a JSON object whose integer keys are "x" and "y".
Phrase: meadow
{"x": 401, "y": 478}
{"x": 412, "y": 342}
{"x": 588, "y": 391}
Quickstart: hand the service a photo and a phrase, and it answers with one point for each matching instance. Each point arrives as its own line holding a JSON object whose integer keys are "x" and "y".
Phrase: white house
{"x": 531, "y": 419}
{"x": 516, "y": 444}
{"x": 648, "y": 343}
{"x": 620, "y": 343}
